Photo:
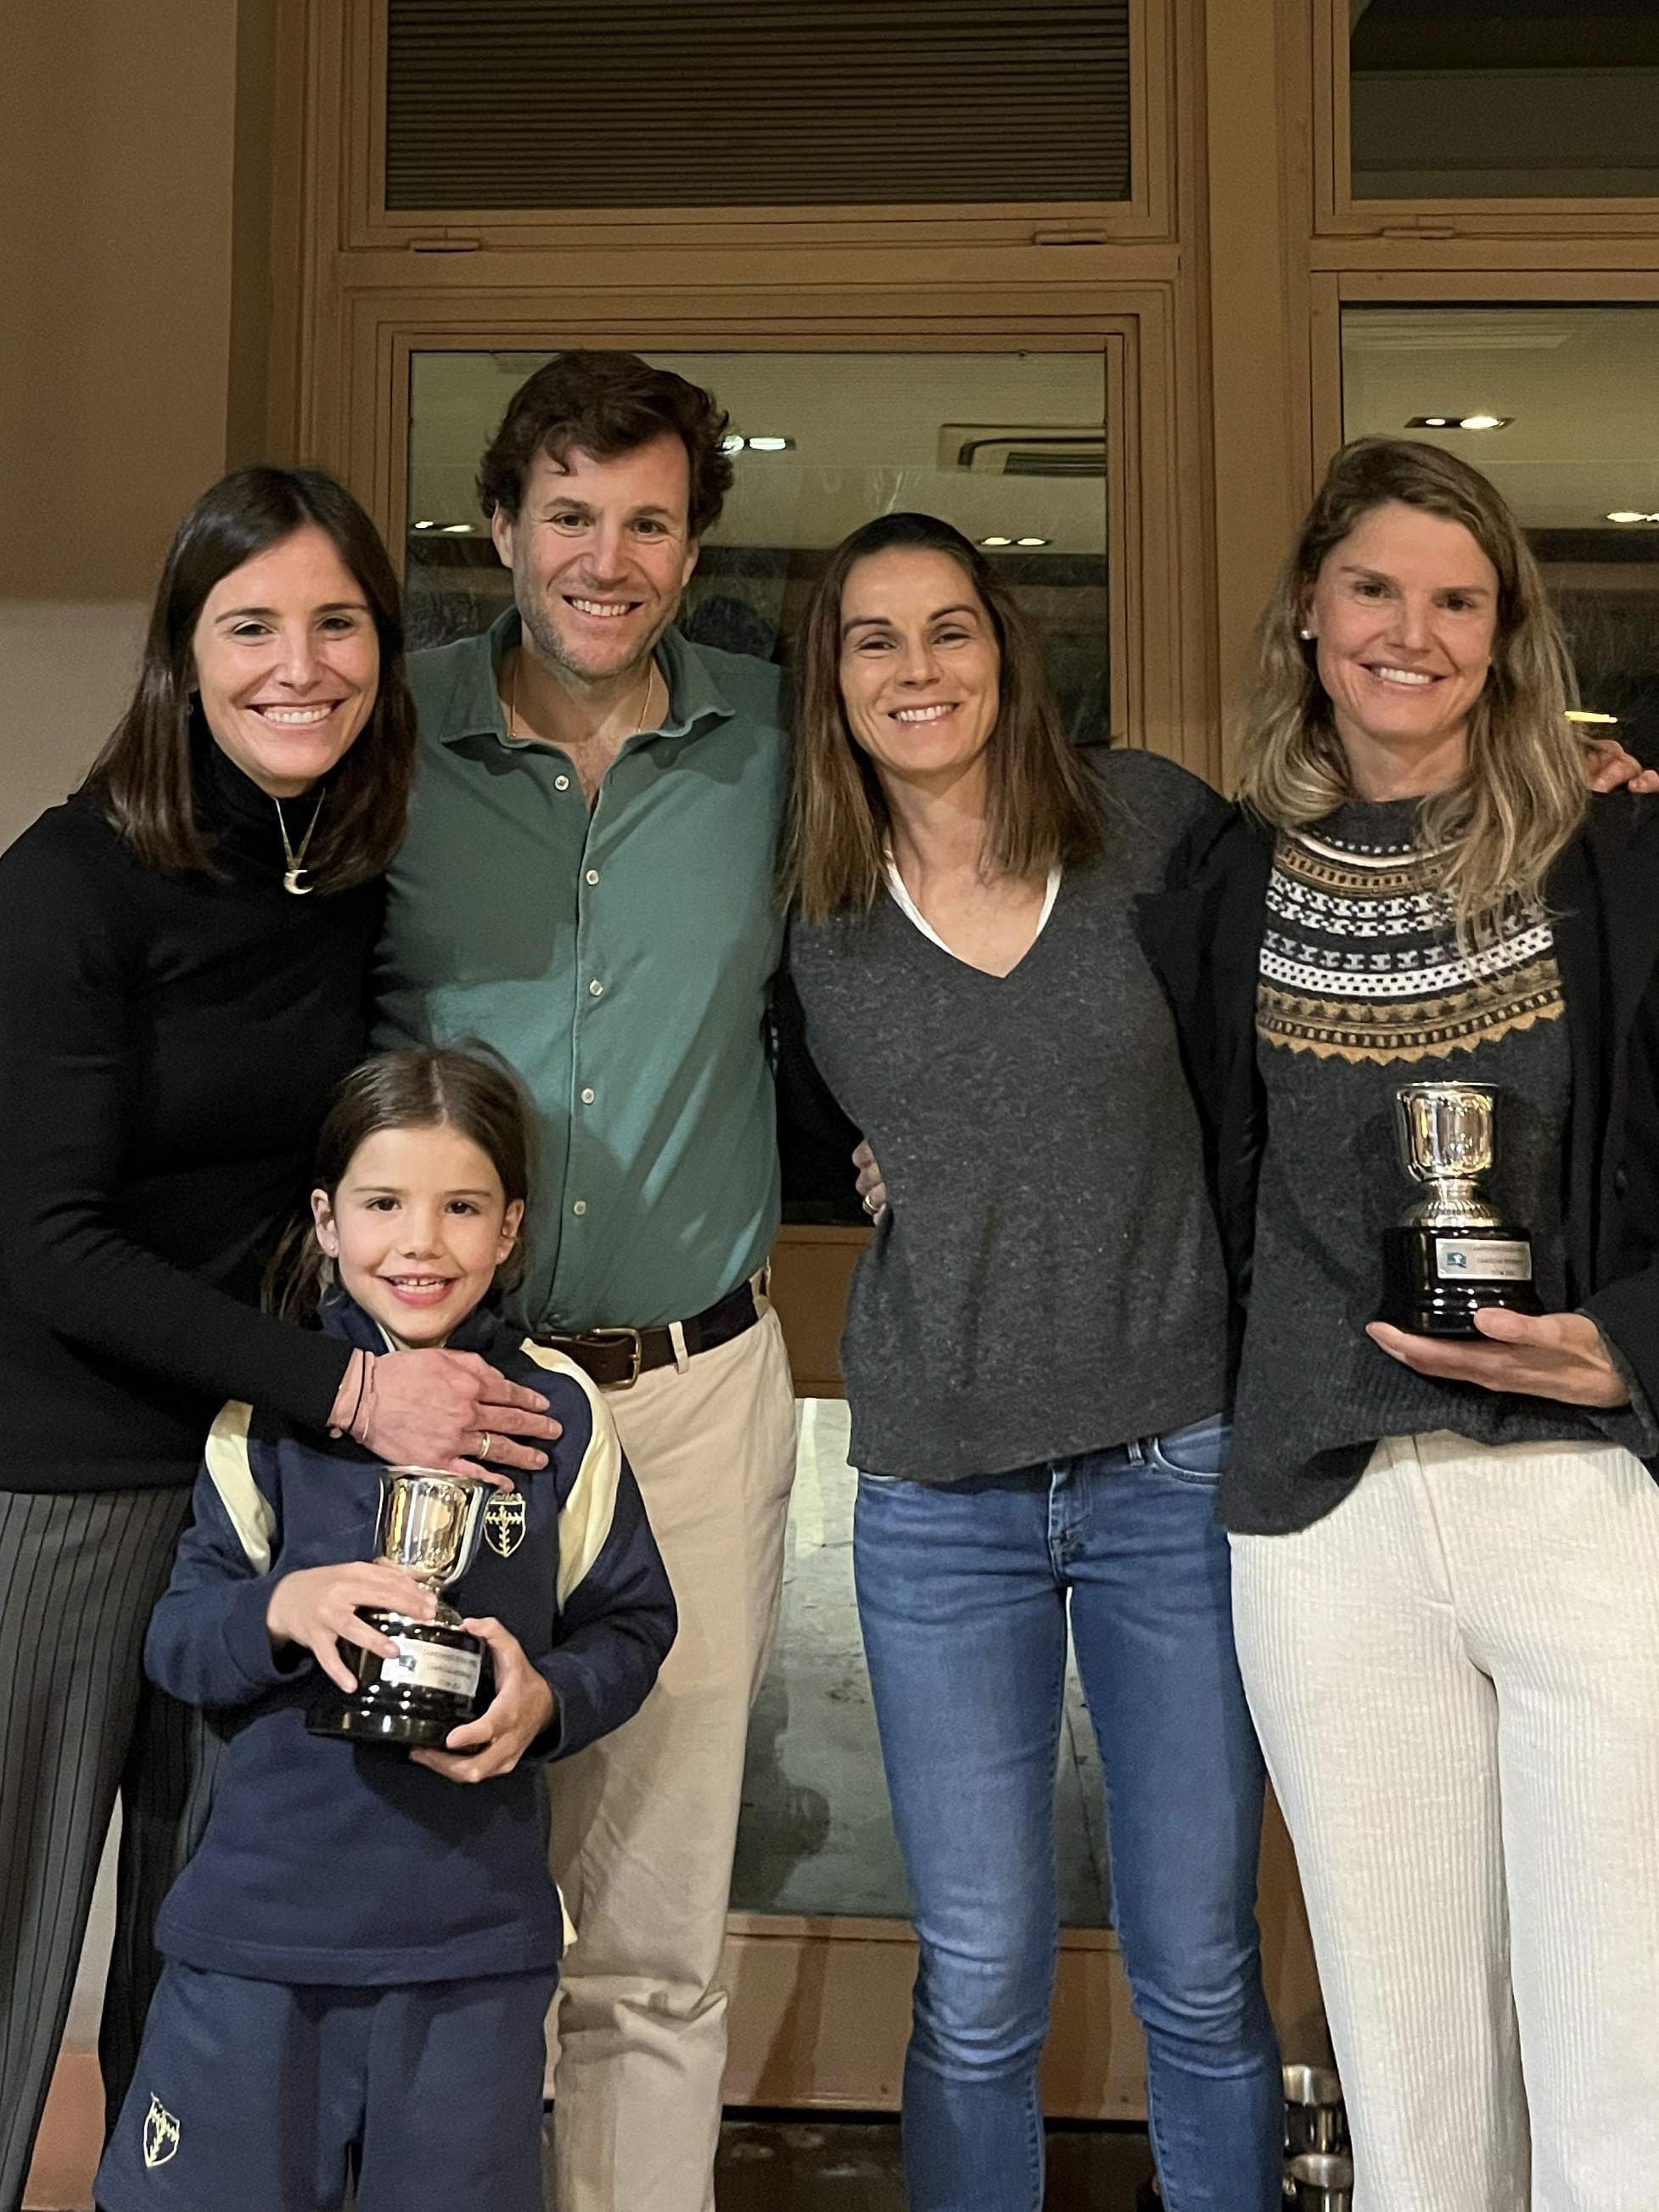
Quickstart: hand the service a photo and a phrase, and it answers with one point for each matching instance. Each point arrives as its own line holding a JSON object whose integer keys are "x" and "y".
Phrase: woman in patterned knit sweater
{"x": 1445, "y": 1552}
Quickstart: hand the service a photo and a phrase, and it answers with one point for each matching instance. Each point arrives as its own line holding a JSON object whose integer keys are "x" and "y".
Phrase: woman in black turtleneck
{"x": 185, "y": 951}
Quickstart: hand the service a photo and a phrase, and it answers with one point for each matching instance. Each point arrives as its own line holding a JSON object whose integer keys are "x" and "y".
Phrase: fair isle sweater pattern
{"x": 1360, "y": 960}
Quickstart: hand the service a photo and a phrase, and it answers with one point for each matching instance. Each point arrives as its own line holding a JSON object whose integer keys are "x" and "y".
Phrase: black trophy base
{"x": 1436, "y": 1280}
{"x": 415, "y": 1698}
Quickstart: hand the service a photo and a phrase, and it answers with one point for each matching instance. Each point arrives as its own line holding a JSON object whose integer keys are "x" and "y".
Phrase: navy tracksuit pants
{"x": 268, "y": 2095}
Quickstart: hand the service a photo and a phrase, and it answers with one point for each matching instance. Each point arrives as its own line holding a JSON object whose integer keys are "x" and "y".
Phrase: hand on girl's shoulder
{"x": 573, "y": 1398}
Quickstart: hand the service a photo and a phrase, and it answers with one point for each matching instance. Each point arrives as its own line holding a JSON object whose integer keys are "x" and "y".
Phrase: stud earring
{"x": 1306, "y": 636}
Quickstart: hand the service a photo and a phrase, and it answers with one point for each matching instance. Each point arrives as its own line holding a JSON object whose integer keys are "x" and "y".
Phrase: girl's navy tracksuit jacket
{"x": 323, "y": 1864}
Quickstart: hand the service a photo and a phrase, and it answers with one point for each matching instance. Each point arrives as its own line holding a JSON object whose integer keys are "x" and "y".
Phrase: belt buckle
{"x": 623, "y": 1335}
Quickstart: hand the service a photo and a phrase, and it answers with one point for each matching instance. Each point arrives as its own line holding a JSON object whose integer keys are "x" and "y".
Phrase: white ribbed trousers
{"x": 1455, "y": 1679}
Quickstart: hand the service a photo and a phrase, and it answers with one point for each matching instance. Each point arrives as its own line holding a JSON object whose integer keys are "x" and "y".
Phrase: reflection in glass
{"x": 1005, "y": 445}
{"x": 1583, "y": 445}
{"x": 1504, "y": 98}
{"x": 816, "y": 1835}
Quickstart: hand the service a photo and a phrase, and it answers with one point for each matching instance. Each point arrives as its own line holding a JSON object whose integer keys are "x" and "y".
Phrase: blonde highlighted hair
{"x": 1044, "y": 806}
{"x": 1522, "y": 795}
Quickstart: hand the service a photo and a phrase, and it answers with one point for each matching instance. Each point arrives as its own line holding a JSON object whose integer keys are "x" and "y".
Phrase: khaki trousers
{"x": 1455, "y": 1680}
{"x": 645, "y": 1820}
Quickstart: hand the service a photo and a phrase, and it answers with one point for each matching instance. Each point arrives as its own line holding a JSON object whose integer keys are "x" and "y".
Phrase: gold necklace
{"x": 297, "y": 868}
{"x": 513, "y": 698}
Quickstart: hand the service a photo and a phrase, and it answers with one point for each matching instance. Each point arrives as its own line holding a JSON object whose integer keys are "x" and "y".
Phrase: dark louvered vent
{"x": 756, "y": 103}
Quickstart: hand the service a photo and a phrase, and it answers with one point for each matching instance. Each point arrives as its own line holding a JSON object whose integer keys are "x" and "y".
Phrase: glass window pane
{"x": 1504, "y": 99}
{"x": 1582, "y": 446}
{"x": 756, "y": 103}
{"x": 1008, "y": 447}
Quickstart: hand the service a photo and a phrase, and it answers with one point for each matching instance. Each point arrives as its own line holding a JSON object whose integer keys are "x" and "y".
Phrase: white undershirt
{"x": 908, "y": 906}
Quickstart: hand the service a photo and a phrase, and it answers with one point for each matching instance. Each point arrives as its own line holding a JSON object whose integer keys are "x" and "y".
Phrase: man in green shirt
{"x": 588, "y": 884}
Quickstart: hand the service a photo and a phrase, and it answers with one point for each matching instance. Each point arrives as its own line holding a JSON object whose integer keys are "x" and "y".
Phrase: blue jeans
{"x": 963, "y": 1591}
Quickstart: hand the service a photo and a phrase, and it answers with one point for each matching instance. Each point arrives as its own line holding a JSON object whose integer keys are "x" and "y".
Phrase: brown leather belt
{"x": 615, "y": 1358}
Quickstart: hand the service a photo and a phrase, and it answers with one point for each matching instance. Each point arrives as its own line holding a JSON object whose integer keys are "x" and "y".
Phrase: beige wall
{"x": 116, "y": 143}
{"x": 117, "y": 127}
{"x": 66, "y": 671}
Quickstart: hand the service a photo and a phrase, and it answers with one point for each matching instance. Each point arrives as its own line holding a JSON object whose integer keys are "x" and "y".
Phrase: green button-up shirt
{"x": 618, "y": 959}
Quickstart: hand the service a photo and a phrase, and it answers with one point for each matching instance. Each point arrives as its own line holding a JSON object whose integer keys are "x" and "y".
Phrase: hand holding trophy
{"x": 429, "y": 1524}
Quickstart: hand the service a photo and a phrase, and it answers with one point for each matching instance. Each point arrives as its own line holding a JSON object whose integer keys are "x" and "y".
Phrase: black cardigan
{"x": 1203, "y": 936}
{"x": 168, "y": 1044}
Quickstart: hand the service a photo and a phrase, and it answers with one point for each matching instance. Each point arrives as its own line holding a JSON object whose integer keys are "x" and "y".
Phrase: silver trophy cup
{"x": 1453, "y": 1253}
{"x": 429, "y": 1524}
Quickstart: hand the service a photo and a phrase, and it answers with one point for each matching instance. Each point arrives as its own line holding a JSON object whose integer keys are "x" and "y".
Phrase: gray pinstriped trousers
{"x": 1455, "y": 1679}
{"x": 79, "y": 1577}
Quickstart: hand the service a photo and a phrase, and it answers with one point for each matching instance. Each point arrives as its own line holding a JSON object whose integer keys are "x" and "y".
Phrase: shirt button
{"x": 587, "y": 1098}
{"x": 592, "y": 875}
{"x": 580, "y": 1207}
{"x": 595, "y": 990}
{"x": 561, "y": 783}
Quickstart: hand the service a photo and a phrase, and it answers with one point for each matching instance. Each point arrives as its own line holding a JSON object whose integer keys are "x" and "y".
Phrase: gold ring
{"x": 486, "y": 1443}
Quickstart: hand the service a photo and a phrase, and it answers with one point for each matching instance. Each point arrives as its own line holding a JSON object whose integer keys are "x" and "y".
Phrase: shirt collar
{"x": 341, "y": 1316}
{"x": 474, "y": 707}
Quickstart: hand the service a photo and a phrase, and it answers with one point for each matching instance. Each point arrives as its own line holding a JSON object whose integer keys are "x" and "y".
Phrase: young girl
{"x": 360, "y": 1955}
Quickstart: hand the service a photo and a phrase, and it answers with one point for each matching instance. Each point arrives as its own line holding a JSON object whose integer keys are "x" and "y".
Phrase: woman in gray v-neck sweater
{"x": 1037, "y": 1364}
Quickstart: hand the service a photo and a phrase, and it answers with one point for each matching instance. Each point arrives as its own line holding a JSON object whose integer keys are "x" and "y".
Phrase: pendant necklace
{"x": 296, "y": 867}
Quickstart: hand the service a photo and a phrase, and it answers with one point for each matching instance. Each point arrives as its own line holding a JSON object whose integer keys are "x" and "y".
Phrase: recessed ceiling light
{"x": 1631, "y": 515}
{"x": 433, "y": 526}
{"x": 1585, "y": 714}
{"x": 770, "y": 445}
{"x": 1030, "y": 541}
{"x": 732, "y": 442}
{"x": 1460, "y": 422}
{"x": 996, "y": 541}
{"x": 456, "y": 530}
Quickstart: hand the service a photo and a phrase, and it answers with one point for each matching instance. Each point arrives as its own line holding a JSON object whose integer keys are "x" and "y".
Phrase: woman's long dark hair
{"x": 141, "y": 779}
{"x": 469, "y": 1088}
{"x": 1044, "y": 809}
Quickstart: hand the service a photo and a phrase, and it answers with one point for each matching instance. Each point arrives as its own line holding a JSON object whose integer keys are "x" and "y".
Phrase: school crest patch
{"x": 504, "y": 1522}
{"x": 160, "y": 2134}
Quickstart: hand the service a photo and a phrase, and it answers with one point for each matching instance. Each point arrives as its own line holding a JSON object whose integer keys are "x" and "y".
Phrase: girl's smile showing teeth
{"x": 936, "y": 714}
{"x": 1403, "y": 675}
{"x": 418, "y": 1290}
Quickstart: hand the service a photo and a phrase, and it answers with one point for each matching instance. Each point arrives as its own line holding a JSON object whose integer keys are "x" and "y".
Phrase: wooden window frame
{"x": 352, "y": 40}
{"x": 1630, "y": 227}
{"x": 1157, "y": 542}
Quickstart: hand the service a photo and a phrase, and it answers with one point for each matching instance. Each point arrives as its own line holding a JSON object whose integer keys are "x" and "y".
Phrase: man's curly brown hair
{"x": 606, "y": 403}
